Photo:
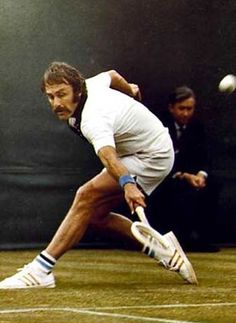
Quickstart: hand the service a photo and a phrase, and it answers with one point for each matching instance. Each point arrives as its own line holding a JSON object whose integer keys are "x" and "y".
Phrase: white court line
{"x": 81, "y": 311}
{"x": 95, "y": 312}
{"x": 162, "y": 306}
{"x": 133, "y": 317}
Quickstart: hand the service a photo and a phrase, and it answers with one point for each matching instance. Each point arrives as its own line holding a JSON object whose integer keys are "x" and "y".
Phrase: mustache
{"x": 60, "y": 109}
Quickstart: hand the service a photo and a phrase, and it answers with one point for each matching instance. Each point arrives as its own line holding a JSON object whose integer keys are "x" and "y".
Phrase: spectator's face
{"x": 183, "y": 111}
{"x": 62, "y": 100}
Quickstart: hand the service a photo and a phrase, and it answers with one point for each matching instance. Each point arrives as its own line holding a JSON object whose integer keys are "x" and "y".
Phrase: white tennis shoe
{"x": 28, "y": 277}
{"x": 165, "y": 249}
{"x": 178, "y": 262}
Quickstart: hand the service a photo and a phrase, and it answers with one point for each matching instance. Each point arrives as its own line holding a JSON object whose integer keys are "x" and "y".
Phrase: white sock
{"x": 44, "y": 262}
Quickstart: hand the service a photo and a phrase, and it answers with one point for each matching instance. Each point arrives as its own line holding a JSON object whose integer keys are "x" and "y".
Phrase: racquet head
{"x": 148, "y": 236}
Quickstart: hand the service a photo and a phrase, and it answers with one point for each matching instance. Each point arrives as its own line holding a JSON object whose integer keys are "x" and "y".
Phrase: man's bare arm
{"x": 119, "y": 83}
{"x": 117, "y": 169}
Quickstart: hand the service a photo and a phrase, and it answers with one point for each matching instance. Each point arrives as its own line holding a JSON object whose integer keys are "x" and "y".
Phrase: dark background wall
{"x": 157, "y": 44}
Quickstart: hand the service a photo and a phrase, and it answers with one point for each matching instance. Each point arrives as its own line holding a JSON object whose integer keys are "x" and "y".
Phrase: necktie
{"x": 180, "y": 131}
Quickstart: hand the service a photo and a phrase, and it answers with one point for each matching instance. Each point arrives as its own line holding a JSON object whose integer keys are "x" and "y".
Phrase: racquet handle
{"x": 141, "y": 214}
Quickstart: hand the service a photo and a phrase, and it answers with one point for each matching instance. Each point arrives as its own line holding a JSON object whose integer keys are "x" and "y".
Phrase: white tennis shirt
{"x": 111, "y": 118}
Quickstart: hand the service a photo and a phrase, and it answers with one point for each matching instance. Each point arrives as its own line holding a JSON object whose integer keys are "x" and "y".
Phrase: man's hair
{"x": 181, "y": 93}
{"x": 60, "y": 72}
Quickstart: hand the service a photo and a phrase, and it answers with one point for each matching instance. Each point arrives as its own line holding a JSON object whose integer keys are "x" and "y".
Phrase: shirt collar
{"x": 76, "y": 116}
{"x": 178, "y": 127}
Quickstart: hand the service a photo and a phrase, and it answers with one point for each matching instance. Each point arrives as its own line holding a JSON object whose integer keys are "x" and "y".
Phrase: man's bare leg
{"x": 118, "y": 227}
{"x": 92, "y": 204}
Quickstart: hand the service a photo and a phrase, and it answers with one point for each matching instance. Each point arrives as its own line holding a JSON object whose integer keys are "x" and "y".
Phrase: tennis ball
{"x": 227, "y": 84}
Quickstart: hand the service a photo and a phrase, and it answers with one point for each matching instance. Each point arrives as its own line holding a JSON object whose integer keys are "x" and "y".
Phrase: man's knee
{"x": 85, "y": 195}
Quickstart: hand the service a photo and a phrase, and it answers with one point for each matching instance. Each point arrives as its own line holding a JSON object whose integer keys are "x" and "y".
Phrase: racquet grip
{"x": 141, "y": 214}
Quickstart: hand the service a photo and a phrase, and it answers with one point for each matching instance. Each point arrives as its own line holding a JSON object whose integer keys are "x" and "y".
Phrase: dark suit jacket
{"x": 192, "y": 151}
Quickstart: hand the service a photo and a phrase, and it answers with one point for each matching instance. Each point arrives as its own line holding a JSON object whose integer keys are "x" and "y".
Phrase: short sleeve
{"x": 100, "y": 80}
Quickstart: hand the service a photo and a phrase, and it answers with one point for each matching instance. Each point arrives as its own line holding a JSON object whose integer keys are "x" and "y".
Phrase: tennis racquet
{"x": 145, "y": 234}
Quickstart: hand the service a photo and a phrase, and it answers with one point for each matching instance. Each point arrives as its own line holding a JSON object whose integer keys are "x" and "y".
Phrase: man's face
{"x": 62, "y": 99}
{"x": 183, "y": 111}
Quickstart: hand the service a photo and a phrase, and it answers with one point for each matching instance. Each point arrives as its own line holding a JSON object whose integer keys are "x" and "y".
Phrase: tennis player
{"x": 132, "y": 144}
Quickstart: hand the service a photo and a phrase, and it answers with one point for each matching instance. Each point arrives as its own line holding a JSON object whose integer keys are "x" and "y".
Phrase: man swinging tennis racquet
{"x": 131, "y": 143}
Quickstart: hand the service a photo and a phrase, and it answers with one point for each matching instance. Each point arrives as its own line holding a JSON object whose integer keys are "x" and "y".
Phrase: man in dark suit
{"x": 187, "y": 197}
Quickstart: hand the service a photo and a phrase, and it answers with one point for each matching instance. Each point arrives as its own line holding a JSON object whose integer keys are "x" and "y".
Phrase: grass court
{"x": 111, "y": 286}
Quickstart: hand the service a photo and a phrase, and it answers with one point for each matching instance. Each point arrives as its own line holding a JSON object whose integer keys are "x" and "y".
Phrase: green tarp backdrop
{"x": 157, "y": 44}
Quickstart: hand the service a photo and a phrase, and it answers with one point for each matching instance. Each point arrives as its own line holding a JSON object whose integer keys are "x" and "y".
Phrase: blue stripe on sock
{"x": 43, "y": 263}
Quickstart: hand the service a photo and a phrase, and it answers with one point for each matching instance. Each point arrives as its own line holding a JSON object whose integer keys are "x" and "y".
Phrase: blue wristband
{"x": 123, "y": 180}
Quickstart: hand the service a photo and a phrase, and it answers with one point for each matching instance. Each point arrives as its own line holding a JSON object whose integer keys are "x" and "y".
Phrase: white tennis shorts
{"x": 150, "y": 171}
